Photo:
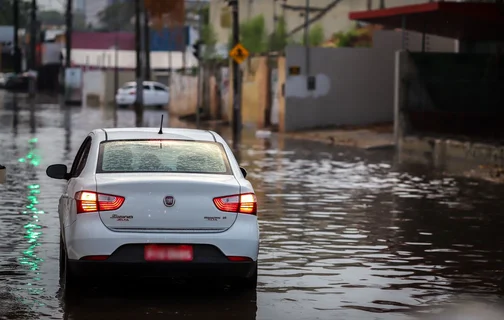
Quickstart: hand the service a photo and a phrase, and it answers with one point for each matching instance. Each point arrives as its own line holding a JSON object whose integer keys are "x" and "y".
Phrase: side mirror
{"x": 244, "y": 172}
{"x": 57, "y": 171}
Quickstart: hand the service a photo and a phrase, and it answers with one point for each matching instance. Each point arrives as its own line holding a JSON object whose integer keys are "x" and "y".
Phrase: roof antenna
{"x": 161, "y": 125}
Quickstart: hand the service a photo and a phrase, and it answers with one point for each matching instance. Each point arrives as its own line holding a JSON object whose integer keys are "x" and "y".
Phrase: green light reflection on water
{"x": 33, "y": 231}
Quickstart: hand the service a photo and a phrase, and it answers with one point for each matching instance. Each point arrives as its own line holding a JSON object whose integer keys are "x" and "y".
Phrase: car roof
{"x": 153, "y": 133}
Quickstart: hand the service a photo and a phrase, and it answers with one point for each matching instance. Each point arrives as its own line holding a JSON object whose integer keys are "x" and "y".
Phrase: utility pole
{"x": 307, "y": 39}
{"x": 16, "y": 50}
{"x": 147, "y": 44}
{"x": 33, "y": 49}
{"x": 33, "y": 35}
{"x": 68, "y": 36}
{"x": 236, "y": 80}
{"x": 116, "y": 61}
{"x": 200, "y": 69}
{"x": 138, "y": 70}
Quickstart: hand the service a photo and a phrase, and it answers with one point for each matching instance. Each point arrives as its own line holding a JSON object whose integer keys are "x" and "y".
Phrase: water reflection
{"x": 161, "y": 301}
{"x": 15, "y": 112}
{"x": 33, "y": 124}
{"x": 67, "y": 124}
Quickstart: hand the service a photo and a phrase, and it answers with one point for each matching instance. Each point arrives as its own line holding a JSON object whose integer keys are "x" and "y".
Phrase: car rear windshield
{"x": 162, "y": 156}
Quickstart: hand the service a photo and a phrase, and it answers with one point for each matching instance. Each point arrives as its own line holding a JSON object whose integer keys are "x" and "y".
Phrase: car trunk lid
{"x": 164, "y": 202}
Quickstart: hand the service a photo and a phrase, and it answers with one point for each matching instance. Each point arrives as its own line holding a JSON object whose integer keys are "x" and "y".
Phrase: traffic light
{"x": 197, "y": 49}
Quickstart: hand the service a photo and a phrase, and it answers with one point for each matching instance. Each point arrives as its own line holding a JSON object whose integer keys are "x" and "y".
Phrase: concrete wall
{"x": 183, "y": 94}
{"x": 94, "y": 87}
{"x": 254, "y": 88}
{"x": 354, "y": 86}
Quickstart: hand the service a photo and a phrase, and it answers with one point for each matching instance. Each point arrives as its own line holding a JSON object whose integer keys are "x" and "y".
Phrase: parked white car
{"x": 154, "y": 94}
{"x": 148, "y": 203}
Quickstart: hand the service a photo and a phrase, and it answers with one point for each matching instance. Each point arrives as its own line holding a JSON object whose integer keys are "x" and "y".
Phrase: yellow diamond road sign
{"x": 239, "y": 53}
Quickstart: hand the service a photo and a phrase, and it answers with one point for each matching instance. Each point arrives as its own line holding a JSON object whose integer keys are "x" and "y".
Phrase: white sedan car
{"x": 139, "y": 202}
{"x": 154, "y": 94}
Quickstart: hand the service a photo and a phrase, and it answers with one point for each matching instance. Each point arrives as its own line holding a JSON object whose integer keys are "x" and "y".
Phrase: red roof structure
{"x": 103, "y": 40}
{"x": 459, "y": 20}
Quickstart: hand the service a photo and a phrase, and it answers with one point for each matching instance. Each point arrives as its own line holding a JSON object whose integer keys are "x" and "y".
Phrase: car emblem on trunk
{"x": 169, "y": 201}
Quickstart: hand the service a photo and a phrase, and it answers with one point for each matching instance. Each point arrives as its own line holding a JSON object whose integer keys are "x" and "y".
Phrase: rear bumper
{"x": 88, "y": 236}
{"x": 162, "y": 270}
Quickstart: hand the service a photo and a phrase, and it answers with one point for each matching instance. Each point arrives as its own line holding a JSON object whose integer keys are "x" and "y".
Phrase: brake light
{"x": 238, "y": 259}
{"x": 240, "y": 203}
{"x": 89, "y": 201}
{"x": 132, "y": 92}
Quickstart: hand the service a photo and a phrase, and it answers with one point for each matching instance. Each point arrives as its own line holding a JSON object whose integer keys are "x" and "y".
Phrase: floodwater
{"x": 346, "y": 234}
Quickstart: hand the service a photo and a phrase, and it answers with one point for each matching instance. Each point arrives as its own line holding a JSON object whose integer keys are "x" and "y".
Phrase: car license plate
{"x": 168, "y": 253}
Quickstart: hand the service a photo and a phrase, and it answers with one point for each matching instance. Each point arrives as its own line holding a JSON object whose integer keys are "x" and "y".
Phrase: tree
{"x": 278, "y": 39}
{"x": 252, "y": 35}
{"x": 209, "y": 39}
{"x": 6, "y": 18}
{"x": 56, "y": 18}
{"x": 316, "y": 36}
{"x": 51, "y": 17}
{"x": 117, "y": 16}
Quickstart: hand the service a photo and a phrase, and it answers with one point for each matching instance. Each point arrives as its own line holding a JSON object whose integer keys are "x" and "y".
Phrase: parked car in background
{"x": 155, "y": 94}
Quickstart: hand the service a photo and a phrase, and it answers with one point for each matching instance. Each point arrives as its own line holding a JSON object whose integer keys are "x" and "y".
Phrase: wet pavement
{"x": 346, "y": 234}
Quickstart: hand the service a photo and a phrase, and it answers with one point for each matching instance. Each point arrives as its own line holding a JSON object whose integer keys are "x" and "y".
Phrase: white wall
{"x": 94, "y": 83}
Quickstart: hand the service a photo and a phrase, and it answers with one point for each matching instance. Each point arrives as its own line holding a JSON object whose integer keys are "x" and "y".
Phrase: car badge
{"x": 169, "y": 201}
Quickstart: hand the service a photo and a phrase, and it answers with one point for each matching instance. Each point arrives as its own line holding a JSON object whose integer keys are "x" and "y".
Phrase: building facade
{"x": 334, "y": 14}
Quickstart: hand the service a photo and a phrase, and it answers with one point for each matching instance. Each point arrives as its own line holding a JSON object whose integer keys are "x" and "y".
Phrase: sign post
{"x": 238, "y": 54}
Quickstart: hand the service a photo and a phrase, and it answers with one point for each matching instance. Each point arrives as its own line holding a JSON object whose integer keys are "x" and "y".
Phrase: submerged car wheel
{"x": 68, "y": 281}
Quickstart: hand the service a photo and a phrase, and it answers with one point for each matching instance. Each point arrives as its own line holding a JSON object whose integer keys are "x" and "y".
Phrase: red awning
{"x": 459, "y": 20}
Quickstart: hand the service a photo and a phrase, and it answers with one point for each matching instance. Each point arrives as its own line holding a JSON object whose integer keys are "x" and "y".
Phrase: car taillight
{"x": 132, "y": 92}
{"x": 89, "y": 201}
{"x": 240, "y": 203}
{"x": 239, "y": 259}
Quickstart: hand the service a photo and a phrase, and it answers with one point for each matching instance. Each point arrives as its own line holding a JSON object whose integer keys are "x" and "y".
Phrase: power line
{"x": 315, "y": 18}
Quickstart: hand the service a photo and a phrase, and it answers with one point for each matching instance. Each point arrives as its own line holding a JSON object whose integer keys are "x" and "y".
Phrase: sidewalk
{"x": 366, "y": 137}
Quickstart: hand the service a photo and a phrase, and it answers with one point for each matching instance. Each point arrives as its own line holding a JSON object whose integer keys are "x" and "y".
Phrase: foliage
{"x": 316, "y": 36}
{"x": 6, "y": 17}
{"x": 53, "y": 17}
{"x": 118, "y": 16}
{"x": 209, "y": 39}
{"x": 205, "y": 14}
{"x": 355, "y": 37}
{"x": 278, "y": 40}
{"x": 252, "y": 35}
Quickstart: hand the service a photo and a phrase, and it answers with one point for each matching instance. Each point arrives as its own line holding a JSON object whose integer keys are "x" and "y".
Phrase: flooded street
{"x": 345, "y": 233}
